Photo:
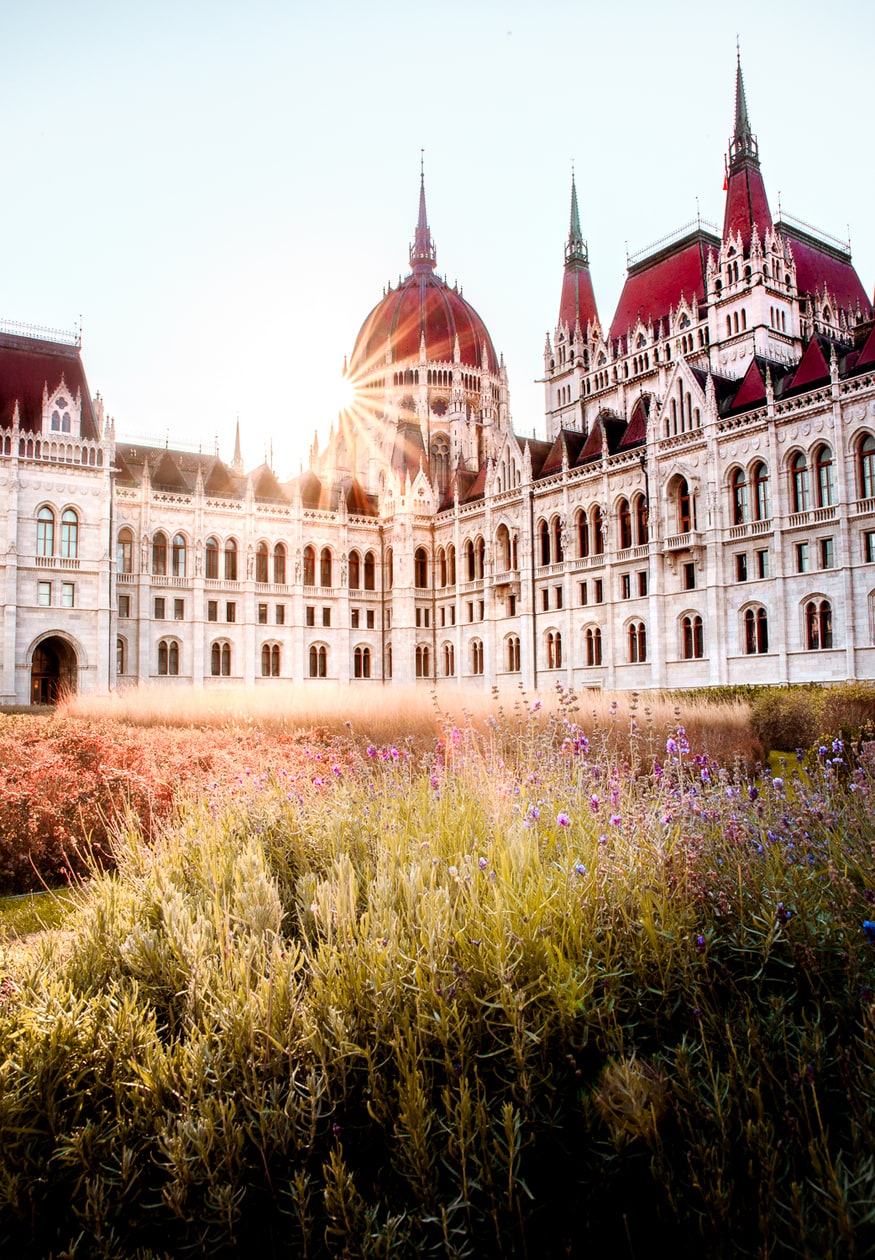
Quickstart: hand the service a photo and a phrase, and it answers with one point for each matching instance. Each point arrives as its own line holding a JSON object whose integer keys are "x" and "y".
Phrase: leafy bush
{"x": 787, "y": 718}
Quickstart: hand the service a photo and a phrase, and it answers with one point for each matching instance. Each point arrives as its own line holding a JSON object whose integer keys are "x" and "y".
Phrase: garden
{"x": 491, "y": 976}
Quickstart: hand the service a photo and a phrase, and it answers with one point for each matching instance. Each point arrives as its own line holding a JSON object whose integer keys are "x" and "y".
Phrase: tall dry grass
{"x": 416, "y": 714}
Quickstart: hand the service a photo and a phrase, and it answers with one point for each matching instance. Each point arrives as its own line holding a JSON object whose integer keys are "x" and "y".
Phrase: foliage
{"x": 533, "y": 992}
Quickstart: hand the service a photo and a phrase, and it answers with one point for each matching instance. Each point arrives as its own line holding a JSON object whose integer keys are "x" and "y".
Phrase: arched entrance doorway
{"x": 53, "y": 671}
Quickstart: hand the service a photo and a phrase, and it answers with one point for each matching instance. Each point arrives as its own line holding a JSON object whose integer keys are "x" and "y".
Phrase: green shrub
{"x": 787, "y": 718}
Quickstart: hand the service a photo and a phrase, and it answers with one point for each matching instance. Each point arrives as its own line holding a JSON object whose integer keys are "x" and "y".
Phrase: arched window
{"x": 309, "y": 566}
{"x": 211, "y": 559}
{"x": 45, "y": 532}
{"x": 262, "y": 560}
{"x": 355, "y": 571}
{"x": 480, "y": 551}
{"x": 440, "y": 463}
{"x": 553, "y": 642}
{"x": 270, "y": 660}
{"x": 799, "y": 483}
{"x": 513, "y": 654}
{"x": 762, "y": 507}
{"x": 693, "y": 638}
{"x": 362, "y": 662}
{"x": 582, "y": 533}
{"x": 265, "y": 660}
{"x": 159, "y": 553}
{"x": 598, "y": 531}
{"x": 544, "y": 540}
{"x": 866, "y": 467}
{"x": 637, "y": 642}
{"x": 624, "y": 521}
{"x": 449, "y": 660}
{"x": 593, "y": 642}
{"x": 369, "y": 571}
{"x": 824, "y": 476}
{"x": 389, "y": 565}
{"x": 476, "y": 656}
{"x": 318, "y": 661}
{"x": 756, "y": 631}
{"x": 420, "y": 568}
{"x": 451, "y": 564}
{"x": 502, "y": 543}
{"x": 558, "y": 549}
{"x": 641, "y": 524}
{"x": 325, "y": 567}
{"x": 441, "y": 567}
{"x": 178, "y": 556}
{"x": 470, "y": 569}
{"x": 686, "y": 519}
{"x": 69, "y": 533}
{"x": 738, "y": 483}
{"x": 423, "y": 661}
{"x": 279, "y": 564}
{"x": 124, "y": 551}
{"x": 230, "y": 560}
{"x": 120, "y": 656}
{"x": 818, "y": 624}
{"x": 168, "y": 657}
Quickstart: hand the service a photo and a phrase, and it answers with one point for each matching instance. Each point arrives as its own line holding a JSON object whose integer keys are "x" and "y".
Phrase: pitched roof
{"x": 27, "y": 367}
{"x": 819, "y": 267}
{"x": 656, "y": 285}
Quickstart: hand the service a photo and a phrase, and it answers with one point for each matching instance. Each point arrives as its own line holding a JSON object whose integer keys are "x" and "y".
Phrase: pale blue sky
{"x": 222, "y": 190}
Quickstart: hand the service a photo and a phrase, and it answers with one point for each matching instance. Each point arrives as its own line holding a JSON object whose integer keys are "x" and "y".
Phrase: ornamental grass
{"x": 529, "y": 991}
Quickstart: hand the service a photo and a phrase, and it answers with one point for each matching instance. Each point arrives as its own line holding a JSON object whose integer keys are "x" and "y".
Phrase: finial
{"x": 575, "y": 249}
{"x": 422, "y": 251}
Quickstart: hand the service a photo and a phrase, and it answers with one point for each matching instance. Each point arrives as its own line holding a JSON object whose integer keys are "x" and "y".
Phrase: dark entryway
{"x": 53, "y": 671}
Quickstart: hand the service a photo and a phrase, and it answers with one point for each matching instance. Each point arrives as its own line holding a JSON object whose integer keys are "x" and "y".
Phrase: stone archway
{"x": 53, "y": 670}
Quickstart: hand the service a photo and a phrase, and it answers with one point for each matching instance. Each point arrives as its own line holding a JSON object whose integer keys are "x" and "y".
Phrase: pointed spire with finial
{"x": 746, "y": 200}
{"x": 743, "y": 145}
{"x": 575, "y": 250}
{"x": 237, "y": 461}
{"x": 577, "y": 303}
{"x": 423, "y": 256}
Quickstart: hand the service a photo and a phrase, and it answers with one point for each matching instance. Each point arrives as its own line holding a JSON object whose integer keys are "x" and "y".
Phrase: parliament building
{"x": 700, "y": 512}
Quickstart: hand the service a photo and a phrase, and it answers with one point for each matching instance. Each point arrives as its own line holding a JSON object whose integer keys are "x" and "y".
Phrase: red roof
{"x": 746, "y": 204}
{"x": 867, "y": 354}
{"x": 813, "y": 367}
{"x": 423, "y": 304}
{"x": 819, "y": 267}
{"x": 577, "y": 304}
{"x": 27, "y": 367}
{"x": 656, "y": 286}
{"x": 752, "y": 389}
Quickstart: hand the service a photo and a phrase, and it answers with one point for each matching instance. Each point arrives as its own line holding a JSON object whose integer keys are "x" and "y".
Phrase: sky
{"x": 221, "y": 191}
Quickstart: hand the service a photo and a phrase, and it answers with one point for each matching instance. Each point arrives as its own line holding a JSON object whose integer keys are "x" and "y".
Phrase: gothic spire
{"x": 743, "y": 145}
{"x": 422, "y": 251}
{"x": 575, "y": 250}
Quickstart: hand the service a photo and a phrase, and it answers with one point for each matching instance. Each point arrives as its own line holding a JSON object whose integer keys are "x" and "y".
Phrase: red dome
{"x": 422, "y": 305}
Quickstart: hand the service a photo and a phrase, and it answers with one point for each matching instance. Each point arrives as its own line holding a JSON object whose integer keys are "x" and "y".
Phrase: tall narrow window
{"x": 355, "y": 571}
{"x": 369, "y": 571}
{"x": 866, "y": 469}
{"x": 45, "y": 532}
{"x": 309, "y": 566}
{"x": 230, "y": 560}
{"x": 799, "y": 483}
{"x": 159, "y": 554}
{"x": 69, "y": 533}
{"x": 582, "y": 534}
{"x": 685, "y": 507}
{"x": 211, "y": 560}
{"x": 824, "y": 476}
{"x": 761, "y": 501}
{"x": 262, "y": 557}
{"x": 325, "y": 567}
{"x": 178, "y": 556}
{"x": 756, "y": 631}
{"x": 125, "y": 551}
{"x": 279, "y": 564}
{"x": 598, "y": 532}
{"x": 420, "y": 568}
{"x": 641, "y": 524}
{"x": 624, "y": 520}
{"x": 739, "y": 497}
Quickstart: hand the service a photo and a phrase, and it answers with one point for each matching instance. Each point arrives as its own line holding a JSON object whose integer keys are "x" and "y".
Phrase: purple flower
{"x": 563, "y": 820}
{"x": 482, "y": 863}
{"x": 869, "y": 931}
{"x": 534, "y": 814}
{"x": 615, "y": 820}
{"x": 700, "y": 944}
{"x": 536, "y": 706}
{"x": 671, "y": 747}
{"x": 783, "y": 916}
{"x": 579, "y": 868}
{"x": 594, "y": 803}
